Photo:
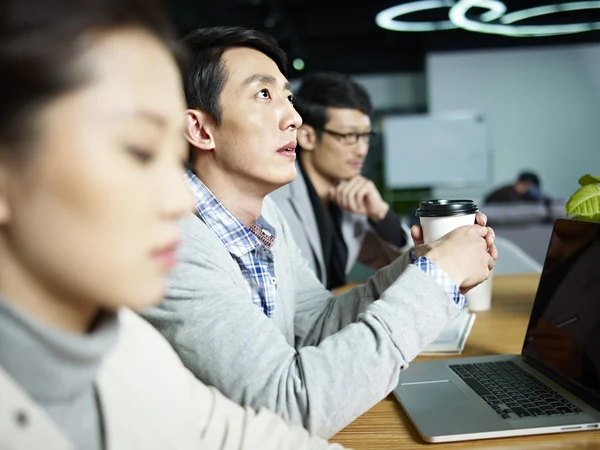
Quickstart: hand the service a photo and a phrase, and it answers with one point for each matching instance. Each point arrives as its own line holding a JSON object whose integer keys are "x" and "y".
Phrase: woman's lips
{"x": 167, "y": 257}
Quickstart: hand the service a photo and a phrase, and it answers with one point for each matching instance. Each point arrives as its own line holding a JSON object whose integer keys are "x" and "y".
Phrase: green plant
{"x": 584, "y": 204}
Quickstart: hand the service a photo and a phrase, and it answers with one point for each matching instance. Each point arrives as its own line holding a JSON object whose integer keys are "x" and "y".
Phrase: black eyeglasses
{"x": 351, "y": 138}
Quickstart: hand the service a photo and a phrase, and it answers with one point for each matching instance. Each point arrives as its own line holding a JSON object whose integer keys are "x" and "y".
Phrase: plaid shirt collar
{"x": 237, "y": 238}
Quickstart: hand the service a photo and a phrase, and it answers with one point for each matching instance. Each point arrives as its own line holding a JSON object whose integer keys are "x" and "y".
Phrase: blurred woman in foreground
{"x": 91, "y": 188}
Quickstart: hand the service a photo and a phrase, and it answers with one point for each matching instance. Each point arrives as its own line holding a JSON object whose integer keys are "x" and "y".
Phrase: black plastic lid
{"x": 446, "y": 208}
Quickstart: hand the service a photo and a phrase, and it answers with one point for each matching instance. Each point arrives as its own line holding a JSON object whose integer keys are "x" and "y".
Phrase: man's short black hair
{"x": 529, "y": 177}
{"x": 329, "y": 89}
{"x": 205, "y": 75}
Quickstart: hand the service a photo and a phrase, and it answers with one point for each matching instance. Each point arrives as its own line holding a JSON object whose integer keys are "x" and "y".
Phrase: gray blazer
{"x": 361, "y": 240}
{"x": 321, "y": 360}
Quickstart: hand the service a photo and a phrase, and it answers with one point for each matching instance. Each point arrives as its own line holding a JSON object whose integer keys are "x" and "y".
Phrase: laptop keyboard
{"x": 512, "y": 392}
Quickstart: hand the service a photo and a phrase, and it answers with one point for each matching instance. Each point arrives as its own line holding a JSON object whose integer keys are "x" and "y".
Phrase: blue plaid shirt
{"x": 250, "y": 247}
{"x": 441, "y": 278}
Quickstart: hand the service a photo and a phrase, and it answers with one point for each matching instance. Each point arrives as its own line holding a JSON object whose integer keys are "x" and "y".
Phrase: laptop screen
{"x": 563, "y": 334}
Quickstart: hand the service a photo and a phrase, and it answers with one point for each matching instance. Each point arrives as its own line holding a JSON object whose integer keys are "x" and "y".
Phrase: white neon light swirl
{"x": 538, "y": 11}
{"x": 458, "y": 15}
{"x": 388, "y": 18}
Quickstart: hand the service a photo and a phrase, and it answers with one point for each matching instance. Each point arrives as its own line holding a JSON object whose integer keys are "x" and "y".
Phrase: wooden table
{"x": 497, "y": 331}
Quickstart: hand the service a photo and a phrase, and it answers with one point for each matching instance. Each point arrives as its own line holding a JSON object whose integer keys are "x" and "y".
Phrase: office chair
{"x": 513, "y": 260}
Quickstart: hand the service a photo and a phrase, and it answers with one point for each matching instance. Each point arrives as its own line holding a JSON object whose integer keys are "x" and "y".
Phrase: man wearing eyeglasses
{"x": 337, "y": 215}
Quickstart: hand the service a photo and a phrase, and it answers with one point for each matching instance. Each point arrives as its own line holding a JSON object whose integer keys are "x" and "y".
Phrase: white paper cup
{"x": 436, "y": 227}
{"x": 480, "y": 298}
{"x": 440, "y": 217}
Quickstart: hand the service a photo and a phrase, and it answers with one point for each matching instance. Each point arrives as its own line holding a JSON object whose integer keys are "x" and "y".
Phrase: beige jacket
{"x": 150, "y": 401}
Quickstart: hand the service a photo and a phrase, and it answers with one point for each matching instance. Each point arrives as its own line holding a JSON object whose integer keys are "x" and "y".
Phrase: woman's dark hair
{"x": 40, "y": 41}
{"x": 205, "y": 76}
{"x": 329, "y": 89}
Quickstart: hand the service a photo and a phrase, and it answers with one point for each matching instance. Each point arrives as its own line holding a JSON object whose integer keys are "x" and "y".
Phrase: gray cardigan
{"x": 321, "y": 360}
{"x": 362, "y": 242}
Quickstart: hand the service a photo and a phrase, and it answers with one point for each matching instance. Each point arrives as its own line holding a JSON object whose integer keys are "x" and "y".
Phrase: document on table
{"x": 452, "y": 340}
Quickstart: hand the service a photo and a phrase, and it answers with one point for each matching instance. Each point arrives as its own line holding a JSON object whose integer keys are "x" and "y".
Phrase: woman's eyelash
{"x": 142, "y": 155}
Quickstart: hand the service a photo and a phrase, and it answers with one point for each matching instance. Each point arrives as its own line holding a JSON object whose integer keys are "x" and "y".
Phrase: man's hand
{"x": 467, "y": 254}
{"x": 480, "y": 219}
{"x": 463, "y": 254}
{"x": 360, "y": 196}
{"x": 416, "y": 233}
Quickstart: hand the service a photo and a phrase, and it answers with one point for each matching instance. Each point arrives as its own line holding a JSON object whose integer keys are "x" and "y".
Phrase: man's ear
{"x": 307, "y": 138}
{"x": 199, "y": 128}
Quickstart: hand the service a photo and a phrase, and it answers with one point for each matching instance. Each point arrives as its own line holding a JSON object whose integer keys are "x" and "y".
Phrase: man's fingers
{"x": 481, "y": 231}
{"x": 352, "y": 194}
{"x": 490, "y": 240}
{"x": 481, "y": 219}
{"x": 490, "y": 237}
{"x": 361, "y": 197}
{"x": 416, "y": 232}
{"x": 353, "y": 200}
{"x": 491, "y": 262}
{"x": 493, "y": 251}
{"x": 342, "y": 194}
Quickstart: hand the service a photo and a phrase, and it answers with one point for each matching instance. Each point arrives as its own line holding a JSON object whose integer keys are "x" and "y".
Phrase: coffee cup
{"x": 480, "y": 297}
{"x": 440, "y": 217}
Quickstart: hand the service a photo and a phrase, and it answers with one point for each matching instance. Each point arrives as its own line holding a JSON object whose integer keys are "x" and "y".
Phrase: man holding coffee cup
{"x": 438, "y": 218}
{"x": 244, "y": 310}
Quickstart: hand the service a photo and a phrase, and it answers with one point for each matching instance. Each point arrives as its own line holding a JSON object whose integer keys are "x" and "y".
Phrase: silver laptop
{"x": 553, "y": 386}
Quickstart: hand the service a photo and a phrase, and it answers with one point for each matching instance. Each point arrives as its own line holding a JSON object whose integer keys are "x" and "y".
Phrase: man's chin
{"x": 282, "y": 180}
{"x": 289, "y": 176}
{"x": 348, "y": 175}
{"x": 287, "y": 180}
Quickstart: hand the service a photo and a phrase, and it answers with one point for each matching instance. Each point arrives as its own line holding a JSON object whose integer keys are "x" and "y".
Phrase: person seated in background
{"x": 336, "y": 215}
{"x": 91, "y": 190}
{"x": 526, "y": 188}
{"x": 243, "y": 309}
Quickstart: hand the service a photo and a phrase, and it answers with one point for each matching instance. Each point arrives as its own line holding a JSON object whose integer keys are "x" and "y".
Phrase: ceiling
{"x": 341, "y": 35}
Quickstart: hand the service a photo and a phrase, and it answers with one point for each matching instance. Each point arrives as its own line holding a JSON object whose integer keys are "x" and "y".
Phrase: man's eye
{"x": 291, "y": 99}
{"x": 264, "y": 93}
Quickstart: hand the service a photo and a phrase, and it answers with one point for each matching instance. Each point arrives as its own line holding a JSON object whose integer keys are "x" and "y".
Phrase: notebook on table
{"x": 553, "y": 386}
{"x": 452, "y": 340}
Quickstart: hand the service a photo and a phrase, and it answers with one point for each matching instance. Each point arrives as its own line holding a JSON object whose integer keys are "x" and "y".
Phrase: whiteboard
{"x": 449, "y": 150}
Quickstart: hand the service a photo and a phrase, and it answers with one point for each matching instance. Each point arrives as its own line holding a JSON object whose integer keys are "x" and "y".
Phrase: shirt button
{"x": 273, "y": 280}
